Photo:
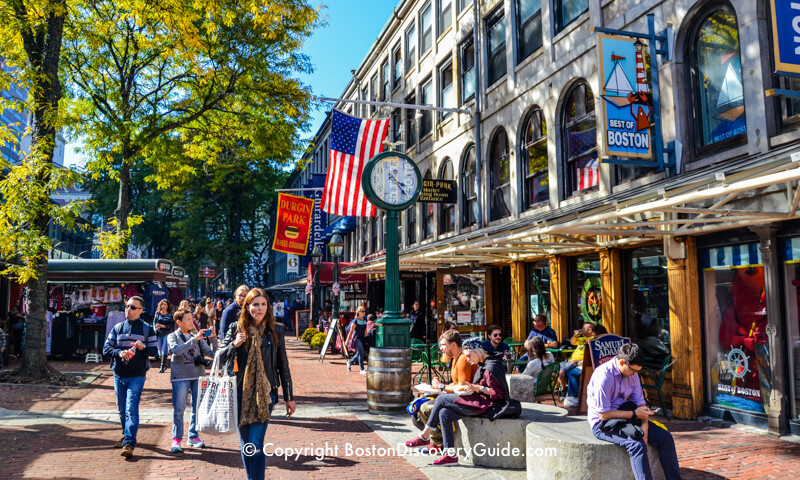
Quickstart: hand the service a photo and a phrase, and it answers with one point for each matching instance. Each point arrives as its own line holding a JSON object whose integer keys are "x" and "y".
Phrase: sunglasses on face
{"x": 133, "y": 307}
{"x": 497, "y": 334}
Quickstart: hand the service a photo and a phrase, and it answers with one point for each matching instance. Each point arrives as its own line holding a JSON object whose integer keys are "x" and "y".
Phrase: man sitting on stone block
{"x": 461, "y": 372}
{"x": 613, "y": 388}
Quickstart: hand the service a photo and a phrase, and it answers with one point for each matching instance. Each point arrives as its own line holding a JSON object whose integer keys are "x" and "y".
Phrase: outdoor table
{"x": 516, "y": 347}
{"x": 561, "y": 354}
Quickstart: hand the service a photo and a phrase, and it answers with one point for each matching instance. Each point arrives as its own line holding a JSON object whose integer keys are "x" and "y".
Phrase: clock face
{"x": 394, "y": 180}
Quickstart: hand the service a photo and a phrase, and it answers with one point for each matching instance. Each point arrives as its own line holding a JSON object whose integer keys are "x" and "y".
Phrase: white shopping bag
{"x": 217, "y": 412}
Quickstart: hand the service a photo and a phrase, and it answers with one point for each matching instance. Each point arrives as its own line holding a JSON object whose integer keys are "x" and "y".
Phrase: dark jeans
{"x": 358, "y": 355}
{"x": 445, "y": 414}
{"x": 129, "y": 393}
{"x": 256, "y": 464}
{"x": 637, "y": 449}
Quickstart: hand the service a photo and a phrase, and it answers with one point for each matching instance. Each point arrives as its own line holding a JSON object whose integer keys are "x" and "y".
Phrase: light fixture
{"x": 316, "y": 255}
{"x": 336, "y": 245}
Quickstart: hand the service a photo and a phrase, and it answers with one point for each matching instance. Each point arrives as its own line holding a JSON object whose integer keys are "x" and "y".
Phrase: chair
{"x": 439, "y": 368}
{"x": 546, "y": 381}
{"x": 509, "y": 341}
{"x": 657, "y": 377}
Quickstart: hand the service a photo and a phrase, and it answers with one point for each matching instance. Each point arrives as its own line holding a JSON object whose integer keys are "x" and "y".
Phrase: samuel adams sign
{"x": 605, "y": 347}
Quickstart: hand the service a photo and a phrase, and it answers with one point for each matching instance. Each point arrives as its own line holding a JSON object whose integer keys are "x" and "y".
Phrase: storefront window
{"x": 791, "y": 270}
{"x": 586, "y": 304}
{"x": 538, "y": 290}
{"x": 647, "y": 302}
{"x": 737, "y": 355}
{"x": 464, "y": 295}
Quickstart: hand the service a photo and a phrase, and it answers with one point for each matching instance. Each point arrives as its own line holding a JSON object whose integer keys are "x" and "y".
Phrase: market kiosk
{"x": 86, "y": 298}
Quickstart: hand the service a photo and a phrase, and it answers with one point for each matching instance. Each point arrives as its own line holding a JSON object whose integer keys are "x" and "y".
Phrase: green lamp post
{"x": 392, "y": 182}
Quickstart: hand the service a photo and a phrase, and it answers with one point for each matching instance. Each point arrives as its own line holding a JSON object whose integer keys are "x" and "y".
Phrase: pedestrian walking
{"x": 130, "y": 345}
{"x": 188, "y": 365}
{"x": 355, "y": 337}
{"x": 231, "y": 313}
{"x": 163, "y": 324}
{"x": 255, "y": 350}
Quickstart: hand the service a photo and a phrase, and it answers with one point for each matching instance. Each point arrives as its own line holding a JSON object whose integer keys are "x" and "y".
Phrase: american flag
{"x": 354, "y": 141}
{"x": 588, "y": 176}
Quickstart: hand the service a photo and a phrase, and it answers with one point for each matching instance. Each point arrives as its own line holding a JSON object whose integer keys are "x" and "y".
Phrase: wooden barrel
{"x": 388, "y": 379}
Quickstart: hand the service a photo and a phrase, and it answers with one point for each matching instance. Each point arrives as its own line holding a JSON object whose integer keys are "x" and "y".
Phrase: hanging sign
{"x": 786, "y": 35}
{"x": 292, "y": 263}
{"x": 605, "y": 347}
{"x": 627, "y": 103}
{"x": 293, "y": 224}
{"x": 438, "y": 191}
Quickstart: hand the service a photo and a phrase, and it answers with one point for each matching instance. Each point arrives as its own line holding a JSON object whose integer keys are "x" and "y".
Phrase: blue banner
{"x": 786, "y": 35}
{"x": 318, "y": 218}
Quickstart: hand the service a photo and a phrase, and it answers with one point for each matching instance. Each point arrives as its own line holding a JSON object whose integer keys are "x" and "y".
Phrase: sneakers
{"x": 445, "y": 461}
{"x": 571, "y": 401}
{"x": 120, "y": 443}
{"x": 418, "y": 442}
{"x": 176, "y": 445}
{"x": 162, "y": 369}
{"x": 127, "y": 451}
{"x": 196, "y": 442}
{"x": 348, "y": 367}
{"x": 432, "y": 450}
{"x": 363, "y": 372}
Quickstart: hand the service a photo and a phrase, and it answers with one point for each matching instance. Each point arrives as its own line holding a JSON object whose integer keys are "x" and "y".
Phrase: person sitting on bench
{"x": 471, "y": 399}
{"x": 618, "y": 414}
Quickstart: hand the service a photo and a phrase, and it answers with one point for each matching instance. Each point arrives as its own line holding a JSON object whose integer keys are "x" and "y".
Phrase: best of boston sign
{"x": 786, "y": 35}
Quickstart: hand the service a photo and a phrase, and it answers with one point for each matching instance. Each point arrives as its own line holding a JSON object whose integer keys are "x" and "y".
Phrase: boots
{"x": 163, "y": 364}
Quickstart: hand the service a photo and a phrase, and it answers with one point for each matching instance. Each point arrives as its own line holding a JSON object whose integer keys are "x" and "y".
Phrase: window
{"x": 568, "y": 10}
{"x": 469, "y": 189}
{"x": 529, "y": 27}
{"x": 426, "y": 98}
{"x": 788, "y": 107}
{"x": 716, "y": 82}
{"x": 463, "y": 4}
{"x": 447, "y": 94}
{"x": 646, "y": 296}
{"x": 374, "y": 240}
{"x": 373, "y": 93}
{"x": 386, "y": 89}
{"x": 365, "y": 237}
{"x": 362, "y": 107}
{"x": 533, "y": 156}
{"x": 467, "y": 54}
{"x": 538, "y": 286}
{"x": 496, "y": 47}
{"x": 499, "y": 176}
{"x": 426, "y": 30}
{"x": 427, "y": 214}
{"x": 585, "y": 291}
{"x": 579, "y": 136}
{"x": 411, "y": 123}
{"x": 447, "y": 212}
{"x": 397, "y": 119}
{"x": 411, "y": 231}
{"x": 445, "y": 15}
{"x": 397, "y": 67}
{"x": 411, "y": 48}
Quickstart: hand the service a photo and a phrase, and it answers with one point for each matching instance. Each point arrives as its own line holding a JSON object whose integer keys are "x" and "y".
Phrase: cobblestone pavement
{"x": 60, "y": 433}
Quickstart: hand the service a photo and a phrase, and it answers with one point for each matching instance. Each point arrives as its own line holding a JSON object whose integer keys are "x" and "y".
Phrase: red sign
{"x": 293, "y": 224}
{"x": 207, "y": 273}
{"x": 326, "y": 275}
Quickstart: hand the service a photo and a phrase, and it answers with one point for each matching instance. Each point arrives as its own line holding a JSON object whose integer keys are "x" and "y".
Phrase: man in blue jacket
{"x": 231, "y": 313}
{"x": 130, "y": 345}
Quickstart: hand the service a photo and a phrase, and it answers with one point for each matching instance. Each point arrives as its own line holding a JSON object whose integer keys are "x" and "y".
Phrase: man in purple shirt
{"x": 614, "y": 384}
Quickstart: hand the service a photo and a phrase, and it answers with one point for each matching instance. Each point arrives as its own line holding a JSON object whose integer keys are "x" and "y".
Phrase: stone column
{"x": 777, "y": 407}
{"x": 611, "y": 281}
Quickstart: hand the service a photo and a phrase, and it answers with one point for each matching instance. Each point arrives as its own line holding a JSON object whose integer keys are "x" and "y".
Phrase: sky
{"x": 352, "y": 26}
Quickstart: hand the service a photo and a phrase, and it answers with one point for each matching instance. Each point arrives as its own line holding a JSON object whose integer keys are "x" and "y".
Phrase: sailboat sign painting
{"x": 627, "y": 103}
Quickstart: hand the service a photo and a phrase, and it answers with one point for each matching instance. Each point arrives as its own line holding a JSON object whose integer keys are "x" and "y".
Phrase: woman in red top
{"x": 489, "y": 387}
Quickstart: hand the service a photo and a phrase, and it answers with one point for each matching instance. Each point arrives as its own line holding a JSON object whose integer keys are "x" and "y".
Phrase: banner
{"x": 786, "y": 35}
{"x": 293, "y": 224}
{"x": 319, "y": 218}
{"x": 627, "y": 102}
{"x": 292, "y": 263}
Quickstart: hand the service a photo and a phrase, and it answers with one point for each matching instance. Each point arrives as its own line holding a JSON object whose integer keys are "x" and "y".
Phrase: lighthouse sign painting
{"x": 627, "y": 102}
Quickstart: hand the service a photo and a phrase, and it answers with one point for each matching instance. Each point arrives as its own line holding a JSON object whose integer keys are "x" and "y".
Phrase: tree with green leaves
{"x": 31, "y": 34}
{"x": 206, "y": 74}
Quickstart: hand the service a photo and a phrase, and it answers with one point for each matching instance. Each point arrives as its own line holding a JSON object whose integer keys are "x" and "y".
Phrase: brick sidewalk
{"x": 54, "y": 450}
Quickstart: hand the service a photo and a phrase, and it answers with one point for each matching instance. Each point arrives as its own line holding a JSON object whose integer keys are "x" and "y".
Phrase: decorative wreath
{"x": 592, "y": 305}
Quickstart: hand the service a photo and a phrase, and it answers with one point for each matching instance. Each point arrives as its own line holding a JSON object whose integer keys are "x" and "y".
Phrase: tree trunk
{"x": 124, "y": 204}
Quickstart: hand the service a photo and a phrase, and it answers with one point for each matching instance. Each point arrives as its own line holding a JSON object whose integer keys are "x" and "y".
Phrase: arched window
{"x": 447, "y": 211}
{"x": 579, "y": 137}
{"x": 533, "y": 156}
{"x": 411, "y": 231}
{"x": 499, "y": 176}
{"x": 469, "y": 205}
{"x": 716, "y": 81}
{"x": 427, "y": 214}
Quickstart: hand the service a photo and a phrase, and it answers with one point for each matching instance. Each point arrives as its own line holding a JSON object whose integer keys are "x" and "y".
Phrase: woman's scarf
{"x": 256, "y": 387}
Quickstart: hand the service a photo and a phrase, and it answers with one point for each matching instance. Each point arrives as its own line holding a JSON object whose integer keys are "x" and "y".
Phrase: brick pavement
{"x": 83, "y": 450}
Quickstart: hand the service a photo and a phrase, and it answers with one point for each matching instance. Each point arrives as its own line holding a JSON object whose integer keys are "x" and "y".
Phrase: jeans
{"x": 358, "y": 355}
{"x": 129, "y": 393}
{"x": 657, "y": 437}
{"x": 573, "y": 373}
{"x": 256, "y": 464}
{"x": 180, "y": 390}
{"x": 444, "y": 415}
{"x": 425, "y": 415}
{"x": 163, "y": 346}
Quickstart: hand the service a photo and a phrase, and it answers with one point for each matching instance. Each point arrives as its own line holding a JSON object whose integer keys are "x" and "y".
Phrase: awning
{"x": 109, "y": 271}
{"x": 296, "y": 284}
{"x": 343, "y": 225}
{"x": 326, "y": 274}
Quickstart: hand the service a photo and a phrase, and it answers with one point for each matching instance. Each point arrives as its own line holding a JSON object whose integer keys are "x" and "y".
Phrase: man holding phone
{"x": 614, "y": 385}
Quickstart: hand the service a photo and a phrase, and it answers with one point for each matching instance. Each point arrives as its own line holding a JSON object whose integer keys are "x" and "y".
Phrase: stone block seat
{"x": 491, "y": 444}
{"x": 521, "y": 387}
{"x": 565, "y": 449}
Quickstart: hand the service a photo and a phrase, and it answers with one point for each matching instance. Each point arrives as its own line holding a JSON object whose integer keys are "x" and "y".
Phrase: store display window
{"x": 586, "y": 304}
{"x": 464, "y": 296}
{"x": 538, "y": 285}
{"x": 791, "y": 275}
{"x": 647, "y": 302}
{"x": 735, "y": 310}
